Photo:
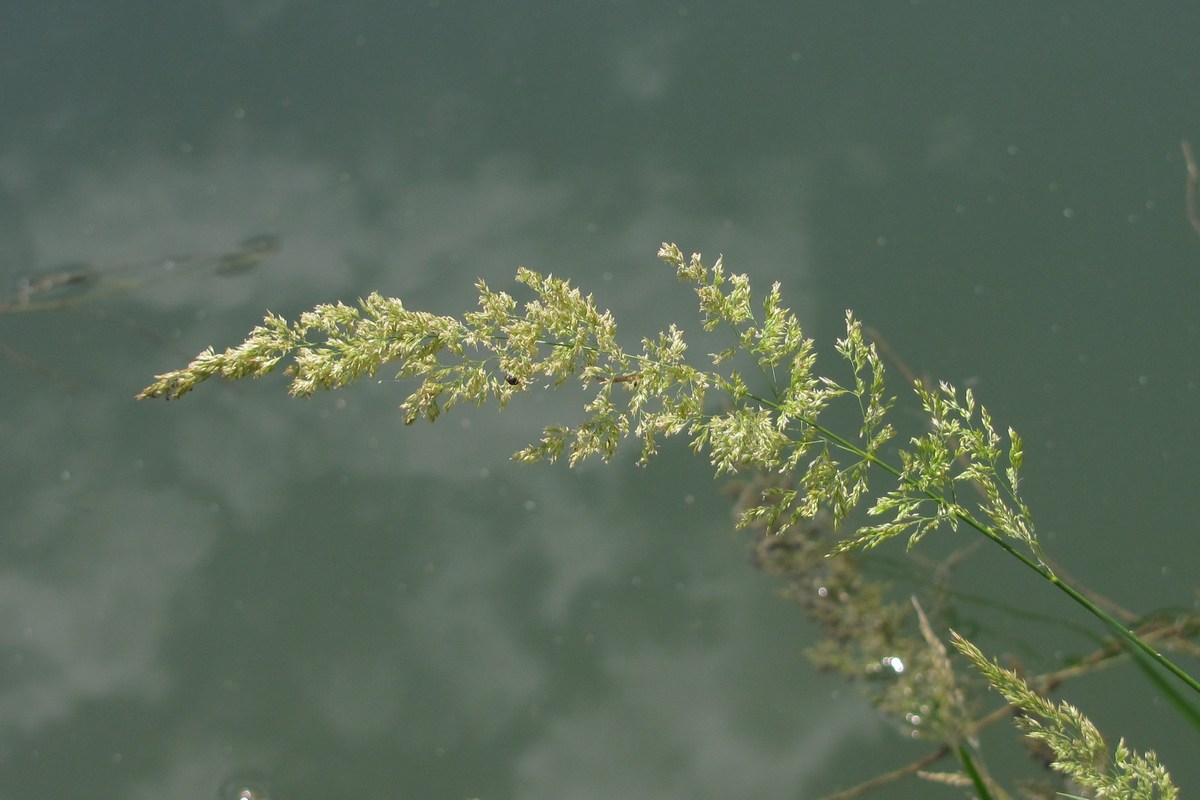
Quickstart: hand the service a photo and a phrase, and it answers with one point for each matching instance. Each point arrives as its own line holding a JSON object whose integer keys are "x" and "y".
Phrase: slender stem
{"x": 968, "y": 763}
{"x": 1125, "y": 633}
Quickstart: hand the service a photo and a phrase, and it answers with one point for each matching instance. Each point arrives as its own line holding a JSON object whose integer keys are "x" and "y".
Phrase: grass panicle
{"x": 756, "y": 409}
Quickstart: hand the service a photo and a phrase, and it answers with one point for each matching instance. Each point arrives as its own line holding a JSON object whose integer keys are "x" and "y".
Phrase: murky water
{"x": 314, "y": 592}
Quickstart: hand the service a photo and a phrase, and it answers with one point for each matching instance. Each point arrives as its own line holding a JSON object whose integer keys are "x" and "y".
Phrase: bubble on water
{"x": 243, "y": 788}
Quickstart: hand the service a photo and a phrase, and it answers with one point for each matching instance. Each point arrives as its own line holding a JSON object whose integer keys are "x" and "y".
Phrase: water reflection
{"x": 71, "y": 284}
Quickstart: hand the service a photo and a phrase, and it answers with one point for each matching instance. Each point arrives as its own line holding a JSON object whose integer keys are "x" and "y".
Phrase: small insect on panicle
{"x": 512, "y": 380}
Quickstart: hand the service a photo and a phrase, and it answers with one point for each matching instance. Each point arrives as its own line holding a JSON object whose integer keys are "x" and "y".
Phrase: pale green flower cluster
{"x": 755, "y": 407}
{"x": 1078, "y": 747}
{"x": 503, "y": 349}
